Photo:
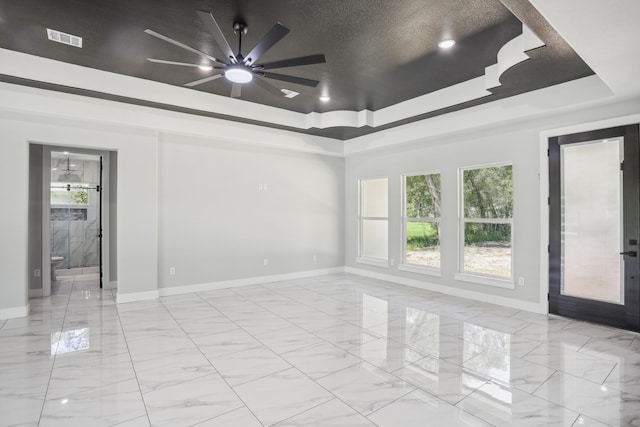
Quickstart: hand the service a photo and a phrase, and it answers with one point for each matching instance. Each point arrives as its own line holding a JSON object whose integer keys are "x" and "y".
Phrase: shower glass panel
{"x": 74, "y": 209}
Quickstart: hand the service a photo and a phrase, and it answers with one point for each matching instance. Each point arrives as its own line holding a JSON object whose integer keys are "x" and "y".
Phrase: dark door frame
{"x": 625, "y": 316}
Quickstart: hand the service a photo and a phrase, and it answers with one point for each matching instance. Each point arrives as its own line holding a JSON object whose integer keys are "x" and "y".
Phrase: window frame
{"x": 360, "y": 258}
{"x": 474, "y": 277}
{"x": 415, "y": 268}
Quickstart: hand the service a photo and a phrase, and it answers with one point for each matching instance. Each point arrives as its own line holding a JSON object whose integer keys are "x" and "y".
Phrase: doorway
{"x": 594, "y": 226}
{"x": 72, "y": 217}
{"x": 76, "y": 229}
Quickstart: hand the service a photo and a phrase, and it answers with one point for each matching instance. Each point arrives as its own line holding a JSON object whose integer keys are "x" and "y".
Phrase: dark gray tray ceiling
{"x": 378, "y": 52}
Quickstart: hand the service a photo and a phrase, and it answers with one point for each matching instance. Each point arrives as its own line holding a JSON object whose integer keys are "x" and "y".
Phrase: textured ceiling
{"x": 379, "y": 53}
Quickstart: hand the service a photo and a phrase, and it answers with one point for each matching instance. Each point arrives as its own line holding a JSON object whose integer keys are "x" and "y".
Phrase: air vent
{"x": 289, "y": 93}
{"x": 64, "y": 38}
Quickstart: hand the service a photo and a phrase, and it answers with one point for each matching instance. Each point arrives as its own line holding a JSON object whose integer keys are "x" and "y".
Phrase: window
{"x": 486, "y": 217}
{"x": 373, "y": 222}
{"x": 421, "y": 222}
{"x": 63, "y": 193}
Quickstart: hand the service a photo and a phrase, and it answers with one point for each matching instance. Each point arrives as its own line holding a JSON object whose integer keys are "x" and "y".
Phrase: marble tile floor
{"x": 335, "y": 350}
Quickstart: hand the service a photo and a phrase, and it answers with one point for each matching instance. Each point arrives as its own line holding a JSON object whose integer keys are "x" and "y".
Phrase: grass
{"x": 421, "y": 235}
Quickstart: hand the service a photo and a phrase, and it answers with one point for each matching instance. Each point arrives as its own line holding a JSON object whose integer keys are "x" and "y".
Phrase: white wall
{"x": 168, "y": 160}
{"x": 519, "y": 143}
{"x": 151, "y": 145}
{"x": 217, "y": 224}
{"x": 137, "y": 224}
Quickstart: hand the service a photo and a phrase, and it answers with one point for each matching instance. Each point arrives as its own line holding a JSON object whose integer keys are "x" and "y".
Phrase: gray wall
{"x": 113, "y": 217}
{"x": 35, "y": 216}
{"x": 446, "y": 155}
{"x": 216, "y": 224}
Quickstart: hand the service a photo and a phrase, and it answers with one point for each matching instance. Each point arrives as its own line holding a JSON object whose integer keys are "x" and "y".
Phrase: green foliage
{"x": 488, "y": 192}
{"x": 422, "y": 235}
{"x": 423, "y": 196}
{"x": 483, "y": 234}
{"x": 80, "y": 197}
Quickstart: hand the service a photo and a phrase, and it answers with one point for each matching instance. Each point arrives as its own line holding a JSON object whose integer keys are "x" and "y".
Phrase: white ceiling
{"x": 606, "y": 35}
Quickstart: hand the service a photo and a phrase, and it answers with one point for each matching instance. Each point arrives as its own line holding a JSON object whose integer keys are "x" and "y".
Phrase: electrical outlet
{"x": 265, "y": 187}
{"x": 520, "y": 281}
{"x": 265, "y": 262}
{"x": 315, "y": 258}
{"x": 172, "y": 271}
{"x": 36, "y": 272}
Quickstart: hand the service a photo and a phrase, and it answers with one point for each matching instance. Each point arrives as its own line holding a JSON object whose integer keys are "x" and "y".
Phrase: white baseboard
{"x": 137, "y": 296}
{"x": 35, "y": 293}
{"x": 203, "y": 287}
{"x": 462, "y": 293}
{"x": 13, "y": 312}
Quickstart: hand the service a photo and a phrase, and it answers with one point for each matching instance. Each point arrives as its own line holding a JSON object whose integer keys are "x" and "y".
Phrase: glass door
{"x": 594, "y": 226}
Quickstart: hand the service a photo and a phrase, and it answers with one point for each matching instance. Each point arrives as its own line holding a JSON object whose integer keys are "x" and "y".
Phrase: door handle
{"x": 630, "y": 253}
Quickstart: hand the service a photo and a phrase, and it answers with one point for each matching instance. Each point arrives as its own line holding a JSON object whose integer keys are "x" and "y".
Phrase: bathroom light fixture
{"x": 238, "y": 74}
{"x": 325, "y": 98}
{"x": 446, "y": 44}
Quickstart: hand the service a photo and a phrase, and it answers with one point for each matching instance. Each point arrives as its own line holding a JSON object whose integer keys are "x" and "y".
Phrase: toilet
{"x": 55, "y": 262}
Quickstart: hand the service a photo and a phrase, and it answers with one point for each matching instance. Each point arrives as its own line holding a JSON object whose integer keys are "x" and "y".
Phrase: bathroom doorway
{"x": 72, "y": 218}
{"x": 76, "y": 194}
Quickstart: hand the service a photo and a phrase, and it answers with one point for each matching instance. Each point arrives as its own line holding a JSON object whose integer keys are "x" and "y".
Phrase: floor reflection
{"x": 70, "y": 341}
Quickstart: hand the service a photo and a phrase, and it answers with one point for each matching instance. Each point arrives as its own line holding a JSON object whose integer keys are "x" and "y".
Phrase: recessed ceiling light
{"x": 65, "y": 152}
{"x": 446, "y": 44}
{"x": 205, "y": 67}
{"x": 54, "y": 169}
{"x": 325, "y": 98}
{"x": 73, "y": 166}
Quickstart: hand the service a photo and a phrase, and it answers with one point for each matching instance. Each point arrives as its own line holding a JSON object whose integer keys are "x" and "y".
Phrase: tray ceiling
{"x": 380, "y": 56}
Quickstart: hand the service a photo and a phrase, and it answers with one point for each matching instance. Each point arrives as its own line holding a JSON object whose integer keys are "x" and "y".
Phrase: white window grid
{"x": 382, "y": 262}
{"x": 488, "y": 279}
{"x": 406, "y": 219}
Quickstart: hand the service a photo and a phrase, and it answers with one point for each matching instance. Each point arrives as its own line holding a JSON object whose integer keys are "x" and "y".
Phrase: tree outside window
{"x": 487, "y": 219}
{"x": 422, "y": 211}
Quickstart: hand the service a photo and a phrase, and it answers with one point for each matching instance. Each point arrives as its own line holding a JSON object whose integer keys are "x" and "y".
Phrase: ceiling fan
{"x": 237, "y": 68}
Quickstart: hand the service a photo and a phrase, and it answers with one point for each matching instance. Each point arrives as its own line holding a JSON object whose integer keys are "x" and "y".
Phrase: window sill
{"x": 486, "y": 280}
{"x": 420, "y": 270}
{"x": 375, "y": 262}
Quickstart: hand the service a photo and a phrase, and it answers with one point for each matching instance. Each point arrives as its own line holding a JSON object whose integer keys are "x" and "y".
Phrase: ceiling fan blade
{"x": 206, "y": 79}
{"x": 182, "y": 45}
{"x": 275, "y": 34}
{"x": 291, "y": 79}
{"x": 236, "y": 90}
{"x": 209, "y": 21}
{"x": 268, "y": 87}
{"x": 162, "y": 61}
{"x": 294, "y": 62}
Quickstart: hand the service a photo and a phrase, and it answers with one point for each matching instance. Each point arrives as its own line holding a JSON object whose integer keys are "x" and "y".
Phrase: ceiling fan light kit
{"x": 238, "y": 74}
{"x": 237, "y": 68}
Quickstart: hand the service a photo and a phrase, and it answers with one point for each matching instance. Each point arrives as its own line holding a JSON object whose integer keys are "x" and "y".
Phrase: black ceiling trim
{"x": 136, "y": 101}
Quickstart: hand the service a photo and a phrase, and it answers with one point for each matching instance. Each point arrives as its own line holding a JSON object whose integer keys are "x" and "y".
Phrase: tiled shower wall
{"x": 76, "y": 233}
